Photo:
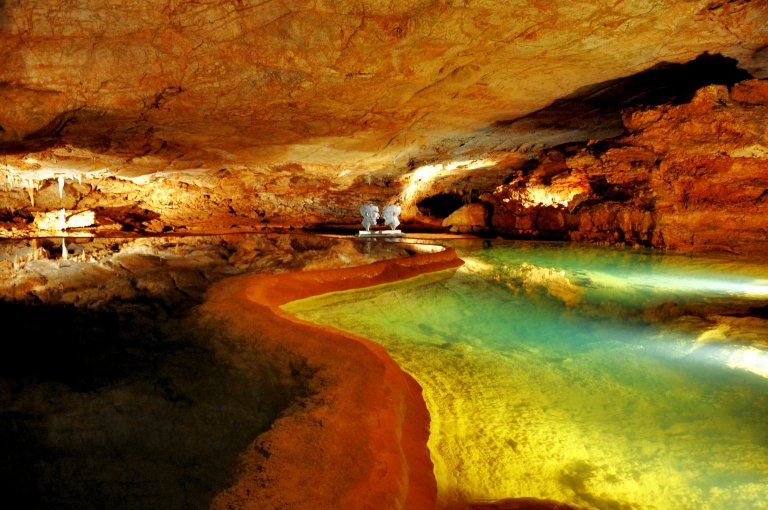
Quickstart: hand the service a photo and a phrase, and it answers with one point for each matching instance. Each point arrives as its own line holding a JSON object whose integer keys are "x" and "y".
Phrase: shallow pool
{"x": 615, "y": 379}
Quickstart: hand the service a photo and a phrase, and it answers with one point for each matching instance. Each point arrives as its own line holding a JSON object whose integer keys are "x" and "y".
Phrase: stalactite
{"x": 30, "y": 186}
{"x": 61, "y": 187}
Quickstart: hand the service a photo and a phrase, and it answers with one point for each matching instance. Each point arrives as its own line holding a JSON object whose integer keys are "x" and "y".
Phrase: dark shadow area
{"x": 600, "y": 105}
{"x": 8, "y": 215}
{"x": 131, "y": 219}
{"x": 3, "y": 17}
{"x": 440, "y": 205}
{"x": 84, "y": 350}
{"x": 350, "y": 228}
{"x": 522, "y": 504}
{"x": 96, "y": 130}
{"x": 127, "y": 409}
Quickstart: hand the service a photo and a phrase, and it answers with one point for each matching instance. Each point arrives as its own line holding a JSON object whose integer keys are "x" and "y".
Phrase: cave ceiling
{"x": 334, "y": 88}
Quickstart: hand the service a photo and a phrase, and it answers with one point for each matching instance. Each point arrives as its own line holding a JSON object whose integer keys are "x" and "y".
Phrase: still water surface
{"x": 614, "y": 379}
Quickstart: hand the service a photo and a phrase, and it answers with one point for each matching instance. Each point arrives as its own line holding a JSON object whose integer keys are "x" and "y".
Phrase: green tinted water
{"x": 615, "y": 379}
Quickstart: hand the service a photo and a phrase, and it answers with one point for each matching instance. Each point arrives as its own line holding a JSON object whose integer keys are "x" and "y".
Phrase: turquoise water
{"x": 613, "y": 379}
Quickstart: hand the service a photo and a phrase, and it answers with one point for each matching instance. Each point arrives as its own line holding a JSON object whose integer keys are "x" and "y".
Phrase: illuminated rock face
{"x": 468, "y": 218}
{"x": 692, "y": 177}
{"x": 279, "y": 76}
{"x": 235, "y": 115}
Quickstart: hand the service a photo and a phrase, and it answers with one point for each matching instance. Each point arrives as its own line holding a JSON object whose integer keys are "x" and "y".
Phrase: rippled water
{"x": 616, "y": 379}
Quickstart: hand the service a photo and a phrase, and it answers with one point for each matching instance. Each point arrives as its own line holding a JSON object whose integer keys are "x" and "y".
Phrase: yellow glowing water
{"x": 614, "y": 379}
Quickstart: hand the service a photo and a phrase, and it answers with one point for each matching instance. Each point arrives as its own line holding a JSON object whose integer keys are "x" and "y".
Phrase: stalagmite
{"x": 64, "y": 252}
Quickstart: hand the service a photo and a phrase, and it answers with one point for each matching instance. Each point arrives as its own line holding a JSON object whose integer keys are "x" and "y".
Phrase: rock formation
{"x": 693, "y": 177}
{"x": 639, "y": 123}
{"x": 235, "y": 115}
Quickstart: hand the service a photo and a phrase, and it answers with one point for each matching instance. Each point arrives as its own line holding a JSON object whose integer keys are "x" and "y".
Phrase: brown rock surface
{"x": 344, "y": 78}
{"x": 690, "y": 177}
{"x": 237, "y": 115}
{"x": 93, "y": 272}
{"x": 468, "y": 218}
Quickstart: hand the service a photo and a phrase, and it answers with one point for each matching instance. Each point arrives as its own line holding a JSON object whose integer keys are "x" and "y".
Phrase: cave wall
{"x": 225, "y": 201}
{"x": 228, "y": 116}
{"x": 689, "y": 177}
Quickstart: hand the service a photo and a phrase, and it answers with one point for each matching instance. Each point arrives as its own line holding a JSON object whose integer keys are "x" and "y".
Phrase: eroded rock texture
{"x": 693, "y": 176}
{"x": 219, "y": 115}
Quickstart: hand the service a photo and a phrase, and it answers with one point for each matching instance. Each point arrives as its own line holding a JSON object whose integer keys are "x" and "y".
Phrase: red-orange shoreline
{"x": 360, "y": 440}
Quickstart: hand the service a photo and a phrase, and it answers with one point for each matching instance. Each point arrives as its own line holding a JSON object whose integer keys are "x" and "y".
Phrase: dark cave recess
{"x": 599, "y": 105}
{"x": 124, "y": 409}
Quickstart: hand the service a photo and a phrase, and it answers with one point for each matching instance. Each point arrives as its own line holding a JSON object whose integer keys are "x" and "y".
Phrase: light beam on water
{"x": 605, "y": 378}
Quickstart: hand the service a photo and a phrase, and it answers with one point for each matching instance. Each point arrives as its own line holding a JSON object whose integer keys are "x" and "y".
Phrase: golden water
{"x": 614, "y": 379}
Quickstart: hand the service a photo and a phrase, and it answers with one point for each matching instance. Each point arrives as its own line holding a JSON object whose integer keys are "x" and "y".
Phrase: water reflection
{"x": 113, "y": 393}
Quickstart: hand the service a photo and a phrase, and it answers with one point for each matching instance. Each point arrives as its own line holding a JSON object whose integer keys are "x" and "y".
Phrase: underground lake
{"x": 603, "y": 377}
{"x": 607, "y": 378}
